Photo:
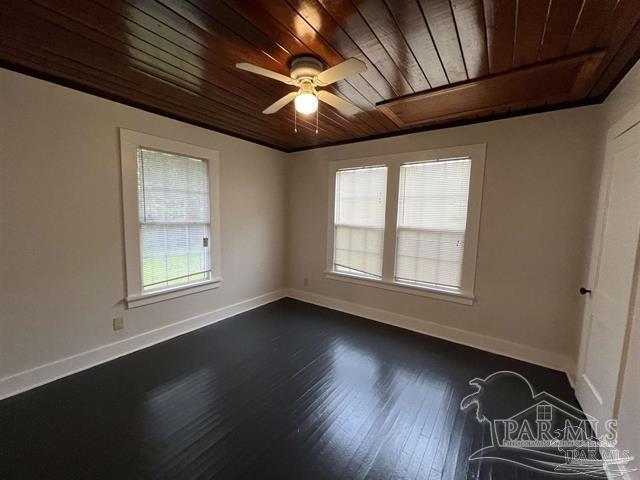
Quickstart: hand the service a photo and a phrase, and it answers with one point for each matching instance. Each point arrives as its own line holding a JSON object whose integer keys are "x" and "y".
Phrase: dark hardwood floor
{"x": 288, "y": 390}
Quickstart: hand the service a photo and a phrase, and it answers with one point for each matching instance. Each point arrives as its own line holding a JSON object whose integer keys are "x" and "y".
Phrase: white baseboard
{"x": 614, "y": 474}
{"x": 499, "y": 346}
{"x": 592, "y": 389}
{"x": 49, "y": 372}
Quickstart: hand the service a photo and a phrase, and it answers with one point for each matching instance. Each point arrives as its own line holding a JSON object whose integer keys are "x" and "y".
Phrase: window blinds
{"x": 360, "y": 199}
{"x": 173, "y": 206}
{"x": 432, "y": 217}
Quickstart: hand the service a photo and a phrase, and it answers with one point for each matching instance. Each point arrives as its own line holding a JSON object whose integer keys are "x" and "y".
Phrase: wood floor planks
{"x": 289, "y": 390}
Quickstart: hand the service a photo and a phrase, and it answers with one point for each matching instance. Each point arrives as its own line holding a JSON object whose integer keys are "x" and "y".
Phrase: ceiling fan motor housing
{"x": 305, "y": 67}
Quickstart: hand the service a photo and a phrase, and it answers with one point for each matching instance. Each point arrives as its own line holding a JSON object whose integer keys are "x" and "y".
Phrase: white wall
{"x": 61, "y": 251}
{"x": 538, "y": 189}
{"x": 623, "y": 98}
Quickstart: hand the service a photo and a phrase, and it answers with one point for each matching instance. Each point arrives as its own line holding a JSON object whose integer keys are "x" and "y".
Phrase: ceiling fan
{"x": 307, "y": 75}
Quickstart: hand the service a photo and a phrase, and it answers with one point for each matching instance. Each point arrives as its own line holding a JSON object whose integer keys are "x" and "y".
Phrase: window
{"x": 359, "y": 220}
{"x": 170, "y": 209}
{"x": 408, "y": 222}
{"x": 173, "y": 210}
{"x": 432, "y": 218}
{"x": 544, "y": 413}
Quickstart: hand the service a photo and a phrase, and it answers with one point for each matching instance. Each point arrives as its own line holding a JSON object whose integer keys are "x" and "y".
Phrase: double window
{"x": 170, "y": 208}
{"x": 408, "y": 221}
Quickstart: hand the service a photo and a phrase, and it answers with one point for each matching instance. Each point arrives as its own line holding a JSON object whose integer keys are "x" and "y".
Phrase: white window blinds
{"x": 432, "y": 217}
{"x": 360, "y": 199}
{"x": 173, "y": 206}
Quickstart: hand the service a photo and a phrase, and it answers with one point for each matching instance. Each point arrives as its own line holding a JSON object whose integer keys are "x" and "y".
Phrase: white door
{"x": 613, "y": 268}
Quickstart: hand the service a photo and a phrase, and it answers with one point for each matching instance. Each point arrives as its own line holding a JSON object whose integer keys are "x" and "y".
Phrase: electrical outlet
{"x": 118, "y": 323}
{"x": 305, "y": 282}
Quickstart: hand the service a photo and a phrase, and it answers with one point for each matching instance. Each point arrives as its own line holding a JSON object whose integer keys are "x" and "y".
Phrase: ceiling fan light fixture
{"x": 307, "y": 74}
{"x": 306, "y": 103}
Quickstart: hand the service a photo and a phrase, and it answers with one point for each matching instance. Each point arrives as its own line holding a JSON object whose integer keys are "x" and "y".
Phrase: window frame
{"x": 466, "y": 293}
{"x": 130, "y": 141}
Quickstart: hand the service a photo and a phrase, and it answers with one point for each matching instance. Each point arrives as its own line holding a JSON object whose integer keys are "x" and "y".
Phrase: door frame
{"x": 628, "y": 121}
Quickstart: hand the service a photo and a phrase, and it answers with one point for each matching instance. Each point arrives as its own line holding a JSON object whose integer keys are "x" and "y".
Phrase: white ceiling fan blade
{"x": 274, "y": 107}
{"x": 249, "y": 67}
{"x": 349, "y": 67}
{"x": 337, "y": 102}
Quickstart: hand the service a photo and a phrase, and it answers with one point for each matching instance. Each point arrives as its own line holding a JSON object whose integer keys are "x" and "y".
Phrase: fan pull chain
{"x": 295, "y": 120}
{"x": 317, "y": 110}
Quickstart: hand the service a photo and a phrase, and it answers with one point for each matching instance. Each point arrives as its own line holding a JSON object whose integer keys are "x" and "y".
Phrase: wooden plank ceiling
{"x": 176, "y": 57}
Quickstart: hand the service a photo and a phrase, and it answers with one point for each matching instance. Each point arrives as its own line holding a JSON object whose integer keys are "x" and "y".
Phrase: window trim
{"x": 465, "y": 294}
{"x": 130, "y": 141}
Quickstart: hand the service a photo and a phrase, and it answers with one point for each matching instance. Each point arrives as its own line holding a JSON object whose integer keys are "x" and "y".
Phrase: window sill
{"x": 174, "y": 292}
{"x": 402, "y": 288}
